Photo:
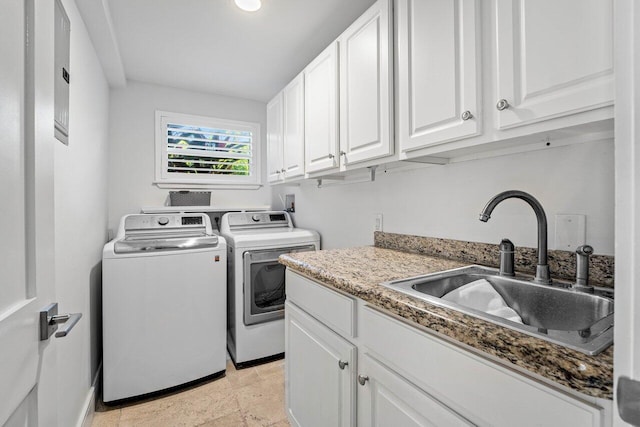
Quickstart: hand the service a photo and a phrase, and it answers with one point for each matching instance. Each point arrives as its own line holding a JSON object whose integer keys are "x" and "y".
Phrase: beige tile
{"x": 262, "y": 391}
{"x": 265, "y": 414}
{"x": 245, "y": 397}
{"x": 271, "y": 370}
{"x": 232, "y": 420}
{"x": 211, "y": 387}
{"x": 243, "y": 377}
{"x": 270, "y": 365}
{"x": 187, "y": 410}
{"x": 106, "y": 418}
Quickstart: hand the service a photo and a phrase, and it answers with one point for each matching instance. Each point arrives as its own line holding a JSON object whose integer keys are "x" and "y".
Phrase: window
{"x": 206, "y": 151}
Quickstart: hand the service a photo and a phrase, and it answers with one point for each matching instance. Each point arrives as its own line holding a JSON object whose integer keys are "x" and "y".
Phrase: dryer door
{"x": 264, "y": 287}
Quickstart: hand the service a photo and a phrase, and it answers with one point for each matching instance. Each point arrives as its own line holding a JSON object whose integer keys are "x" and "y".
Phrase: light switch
{"x": 571, "y": 231}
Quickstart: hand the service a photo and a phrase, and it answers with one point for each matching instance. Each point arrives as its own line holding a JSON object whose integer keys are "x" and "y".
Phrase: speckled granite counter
{"x": 359, "y": 272}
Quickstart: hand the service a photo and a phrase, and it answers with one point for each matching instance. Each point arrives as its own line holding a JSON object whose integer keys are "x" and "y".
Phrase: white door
{"x": 321, "y": 111}
{"x": 27, "y": 365}
{"x": 554, "y": 58}
{"x": 366, "y": 86}
{"x": 274, "y": 139}
{"x": 438, "y": 72}
{"x": 627, "y": 220}
{"x": 293, "y": 135}
{"x": 319, "y": 373}
{"x": 387, "y": 399}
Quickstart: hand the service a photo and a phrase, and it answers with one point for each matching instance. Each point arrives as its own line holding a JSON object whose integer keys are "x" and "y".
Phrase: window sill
{"x": 201, "y": 186}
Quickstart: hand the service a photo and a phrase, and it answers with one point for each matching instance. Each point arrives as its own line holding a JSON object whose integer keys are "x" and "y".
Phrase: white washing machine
{"x": 163, "y": 304}
{"x": 256, "y": 290}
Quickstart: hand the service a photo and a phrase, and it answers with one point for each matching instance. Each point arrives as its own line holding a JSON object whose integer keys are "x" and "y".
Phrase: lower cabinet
{"x": 319, "y": 373}
{"x": 350, "y": 364}
{"x": 387, "y": 399}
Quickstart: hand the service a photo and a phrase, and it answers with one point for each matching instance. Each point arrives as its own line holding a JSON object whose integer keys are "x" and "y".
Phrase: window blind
{"x": 205, "y": 150}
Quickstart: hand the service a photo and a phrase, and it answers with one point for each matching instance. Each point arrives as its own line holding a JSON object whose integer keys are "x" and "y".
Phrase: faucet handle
{"x": 507, "y": 249}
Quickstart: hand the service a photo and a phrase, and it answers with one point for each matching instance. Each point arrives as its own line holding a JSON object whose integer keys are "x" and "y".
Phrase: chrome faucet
{"x": 542, "y": 269}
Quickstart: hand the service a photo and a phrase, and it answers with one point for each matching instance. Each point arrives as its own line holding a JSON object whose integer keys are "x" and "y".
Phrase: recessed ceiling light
{"x": 249, "y": 5}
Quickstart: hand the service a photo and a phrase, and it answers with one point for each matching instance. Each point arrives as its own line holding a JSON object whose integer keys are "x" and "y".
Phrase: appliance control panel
{"x": 155, "y": 222}
{"x": 257, "y": 219}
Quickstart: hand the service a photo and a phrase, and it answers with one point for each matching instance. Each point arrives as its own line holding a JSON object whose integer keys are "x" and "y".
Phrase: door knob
{"x": 502, "y": 104}
{"x": 50, "y": 319}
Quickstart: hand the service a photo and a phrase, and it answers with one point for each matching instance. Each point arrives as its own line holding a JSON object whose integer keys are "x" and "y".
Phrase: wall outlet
{"x": 571, "y": 231}
{"x": 378, "y": 222}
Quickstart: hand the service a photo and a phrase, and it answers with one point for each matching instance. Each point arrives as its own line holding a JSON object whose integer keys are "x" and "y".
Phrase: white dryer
{"x": 256, "y": 288}
{"x": 163, "y": 304}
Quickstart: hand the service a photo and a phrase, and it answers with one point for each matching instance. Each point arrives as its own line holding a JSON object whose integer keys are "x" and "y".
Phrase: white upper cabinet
{"x": 366, "y": 84}
{"x": 554, "y": 58}
{"x": 472, "y": 77}
{"x": 438, "y": 72}
{"x": 274, "y": 139}
{"x": 293, "y": 128}
{"x": 321, "y": 111}
{"x": 285, "y": 133}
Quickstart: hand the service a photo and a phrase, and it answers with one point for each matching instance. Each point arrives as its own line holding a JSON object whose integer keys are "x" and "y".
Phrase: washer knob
{"x": 163, "y": 220}
{"x": 256, "y": 218}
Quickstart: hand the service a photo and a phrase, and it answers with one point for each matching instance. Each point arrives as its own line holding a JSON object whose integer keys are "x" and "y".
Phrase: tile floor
{"x": 251, "y": 397}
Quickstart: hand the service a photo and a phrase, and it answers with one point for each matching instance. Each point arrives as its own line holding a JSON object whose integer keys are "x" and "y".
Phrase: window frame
{"x": 164, "y": 179}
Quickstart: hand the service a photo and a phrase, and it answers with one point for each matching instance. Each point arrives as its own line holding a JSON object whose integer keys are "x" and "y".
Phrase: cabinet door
{"x": 318, "y": 391}
{"x": 387, "y": 399}
{"x": 274, "y": 139}
{"x": 366, "y": 73}
{"x": 554, "y": 58}
{"x": 293, "y": 131}
{"x": 438, "y": 74}
{"x": 321, "y": 111}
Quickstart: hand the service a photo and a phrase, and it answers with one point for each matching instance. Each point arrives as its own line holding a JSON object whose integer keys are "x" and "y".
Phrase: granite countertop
{"x": 360, "y": 271}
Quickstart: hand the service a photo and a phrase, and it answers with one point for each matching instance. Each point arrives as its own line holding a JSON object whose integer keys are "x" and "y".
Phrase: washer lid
{"x": 129, "y": 245}
{"x": 271, "y": 237}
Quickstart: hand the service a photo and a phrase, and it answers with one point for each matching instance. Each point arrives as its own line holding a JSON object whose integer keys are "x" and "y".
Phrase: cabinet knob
{"x": 362, "y": 379}
{"x": 342, "y": 364}
{"x": 502, "y": 104}
{"x": 467, "y": 115}
{"x": 283, "y": 170}
{"x": 331, "y": 156}
{"x": 342, "y": 153}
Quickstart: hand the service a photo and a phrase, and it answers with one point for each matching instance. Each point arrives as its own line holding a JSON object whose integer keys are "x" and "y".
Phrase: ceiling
{"x": 211, "y": 45}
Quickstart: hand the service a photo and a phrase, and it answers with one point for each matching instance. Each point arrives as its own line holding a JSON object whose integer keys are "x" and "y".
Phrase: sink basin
{"x": 583, "y": 322}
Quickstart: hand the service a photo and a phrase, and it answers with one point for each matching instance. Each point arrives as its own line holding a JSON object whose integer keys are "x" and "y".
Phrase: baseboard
{"x": 90, "y": 402}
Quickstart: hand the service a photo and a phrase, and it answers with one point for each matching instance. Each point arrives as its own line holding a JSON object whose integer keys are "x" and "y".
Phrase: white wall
{"x": 80, "y": 182}
{"x": 444, "y": 201}
{"x": 132, "y": 149}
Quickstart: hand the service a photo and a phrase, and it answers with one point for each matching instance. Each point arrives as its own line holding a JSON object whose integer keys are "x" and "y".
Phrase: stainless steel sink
{"x": 581, "y": 321}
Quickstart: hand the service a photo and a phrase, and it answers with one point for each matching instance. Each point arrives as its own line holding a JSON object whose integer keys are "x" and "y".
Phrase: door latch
{"x": 50, "y": 319}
